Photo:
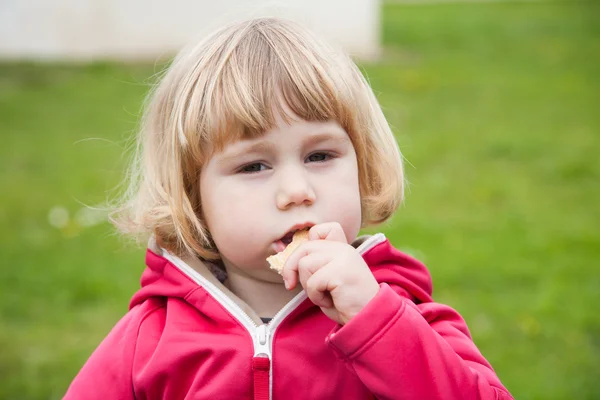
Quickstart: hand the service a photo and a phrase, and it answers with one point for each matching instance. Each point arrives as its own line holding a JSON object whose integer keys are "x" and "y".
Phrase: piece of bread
{"x": 278, "y": 260}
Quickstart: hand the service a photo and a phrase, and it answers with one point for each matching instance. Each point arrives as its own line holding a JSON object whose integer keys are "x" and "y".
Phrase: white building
{"x": 150, "y": 29}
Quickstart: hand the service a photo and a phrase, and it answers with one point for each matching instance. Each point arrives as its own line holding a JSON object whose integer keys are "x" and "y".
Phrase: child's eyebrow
{"x": 334, "y": 136}
{"x": 242, "y": 148}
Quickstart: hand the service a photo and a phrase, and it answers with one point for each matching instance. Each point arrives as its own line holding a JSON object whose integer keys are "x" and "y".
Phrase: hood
{"x": 407, "y": 276}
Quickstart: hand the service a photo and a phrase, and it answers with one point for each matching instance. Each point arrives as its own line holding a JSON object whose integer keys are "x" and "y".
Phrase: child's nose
{"x": 294, "y": 189}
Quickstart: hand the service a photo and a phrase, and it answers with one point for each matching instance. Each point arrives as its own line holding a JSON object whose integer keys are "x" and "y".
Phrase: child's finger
{"x": 310, "y": 264}
{"x": 318, "y": 288}
{"x": 328, "y": 231}
{"x": 290, "y": 268}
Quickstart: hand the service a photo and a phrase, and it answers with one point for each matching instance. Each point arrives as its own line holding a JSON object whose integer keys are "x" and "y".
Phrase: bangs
{"x": 264, "y": 71}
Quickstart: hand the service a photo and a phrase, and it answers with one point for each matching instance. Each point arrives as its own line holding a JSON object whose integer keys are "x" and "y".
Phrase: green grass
{"x": 496, "y": 109}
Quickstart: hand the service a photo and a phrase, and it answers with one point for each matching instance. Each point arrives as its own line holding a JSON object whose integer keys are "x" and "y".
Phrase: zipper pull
{"x": 261, "y": 348}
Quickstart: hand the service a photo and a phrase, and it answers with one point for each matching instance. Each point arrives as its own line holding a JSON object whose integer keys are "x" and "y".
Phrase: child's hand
{"x": 333, "y": 274}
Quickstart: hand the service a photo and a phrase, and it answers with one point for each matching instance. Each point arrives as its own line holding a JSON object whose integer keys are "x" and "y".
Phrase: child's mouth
{"x": 282, "y": 244}
{"x": 287, "y": 239}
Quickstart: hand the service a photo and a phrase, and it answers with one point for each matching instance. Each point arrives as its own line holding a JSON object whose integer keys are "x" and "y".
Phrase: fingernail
{"x": 287, "y": 285}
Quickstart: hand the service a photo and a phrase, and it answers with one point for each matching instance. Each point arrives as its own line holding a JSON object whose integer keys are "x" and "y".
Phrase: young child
{"x": 255, "y": 133}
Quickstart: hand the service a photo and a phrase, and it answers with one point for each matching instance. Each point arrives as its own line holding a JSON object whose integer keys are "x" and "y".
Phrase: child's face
{"x": 255, "y": 192}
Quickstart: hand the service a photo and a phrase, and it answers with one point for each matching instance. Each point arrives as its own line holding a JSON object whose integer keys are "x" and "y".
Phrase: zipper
{"x": 262, "y": 335}
{"x": 261, "y": 364}
{"x": 261, "y": 346}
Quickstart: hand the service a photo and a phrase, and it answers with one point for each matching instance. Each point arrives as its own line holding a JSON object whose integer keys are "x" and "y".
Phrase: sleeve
{"x": 107, "y": 374}
{"x": 403, "y": 351}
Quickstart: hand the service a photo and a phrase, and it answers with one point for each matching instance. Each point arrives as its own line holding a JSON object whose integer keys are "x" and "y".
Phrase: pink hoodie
{"x": 187, "y": 337}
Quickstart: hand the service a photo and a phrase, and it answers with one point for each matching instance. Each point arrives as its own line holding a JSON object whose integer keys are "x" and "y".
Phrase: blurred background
{"x": 495, "y": 105}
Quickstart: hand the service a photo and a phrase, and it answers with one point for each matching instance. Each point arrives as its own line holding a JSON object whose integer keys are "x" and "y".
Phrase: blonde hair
{"x": 229, "y": 87}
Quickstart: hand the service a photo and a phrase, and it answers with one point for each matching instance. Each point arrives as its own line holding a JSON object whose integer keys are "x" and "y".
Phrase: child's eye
{"x": 252, "y": 168}
{"x": 318, "y": 157}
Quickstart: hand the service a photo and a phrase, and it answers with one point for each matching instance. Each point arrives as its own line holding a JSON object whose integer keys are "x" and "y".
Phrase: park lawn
{"x": 495, "y": 107}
